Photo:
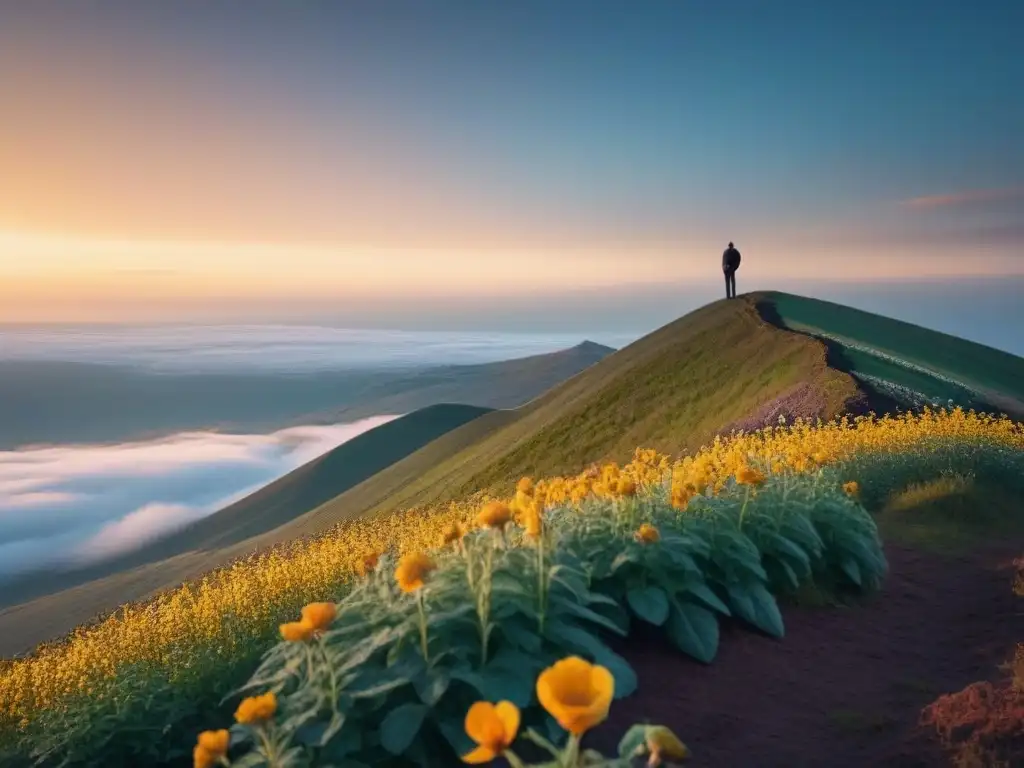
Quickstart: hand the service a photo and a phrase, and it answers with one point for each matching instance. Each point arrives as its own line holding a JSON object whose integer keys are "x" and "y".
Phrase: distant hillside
{"x": 909, "y": 365}
{"x": 506, "y": 384}
{"x": 109, "y": 403}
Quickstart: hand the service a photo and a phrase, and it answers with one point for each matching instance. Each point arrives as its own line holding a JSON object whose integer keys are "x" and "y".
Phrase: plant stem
{"x": 743, "y": 509}
{"x": 542, "y": 586}
{"x": 423, "y": 624}
{"x": 309, "y": 663}
{"x": 483, "y": 600}
{"x": 332, "y": 674}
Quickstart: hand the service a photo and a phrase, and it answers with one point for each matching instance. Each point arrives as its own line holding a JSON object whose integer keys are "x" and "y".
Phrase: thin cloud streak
{"x": 78, "y": 504}
{"x": 929, "y": 202}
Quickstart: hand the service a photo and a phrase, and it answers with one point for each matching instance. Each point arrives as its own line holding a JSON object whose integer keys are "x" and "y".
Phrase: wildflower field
{"x": 369, "y": 644}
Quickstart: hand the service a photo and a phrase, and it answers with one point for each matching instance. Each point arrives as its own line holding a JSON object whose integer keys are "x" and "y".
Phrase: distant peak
{"x": 592, "y": 346}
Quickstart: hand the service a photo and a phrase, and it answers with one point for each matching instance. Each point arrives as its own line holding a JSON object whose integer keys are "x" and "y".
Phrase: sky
{"x": 213, "y": 160}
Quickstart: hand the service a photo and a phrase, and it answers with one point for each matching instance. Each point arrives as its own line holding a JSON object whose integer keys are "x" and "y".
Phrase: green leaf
{"x": 593, "y": 617}
{"x": 498, "y": 683}
{"x": 634, "y": 742}
{"x": 852, "y": 570}
{"x": 649, "y": 603}
{"x": 520, "y": 636}
{"x": 628, "y": 556}
{"x": 364, "y": 688}
{"x": 342, "y": 743}
{"x": 706, "y": 595}
{"x": 755, "y": 605}
{"x": 694, "y": 630}
{"x": 432, "y": 686}
{"x": 454, "y": 731}
{"x": 401, "y": 726}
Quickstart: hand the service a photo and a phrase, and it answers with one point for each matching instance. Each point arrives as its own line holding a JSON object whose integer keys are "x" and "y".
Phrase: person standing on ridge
{"x": 730, "y": 263}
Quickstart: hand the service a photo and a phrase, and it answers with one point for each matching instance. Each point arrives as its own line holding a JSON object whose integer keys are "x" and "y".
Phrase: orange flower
{"x": 576, "y": 693}
{"x": 495, "y": 514}
{"x": 647, "y": 534}
{"x": 626, "y": 486}
{"x": 533, "y": 521}
{"x": 256, "y": 709}
{"x": 319, "y": 615}
{"x": 296, "y": 631}
{"x": 210, "y": 747}
{"x": 454, "y": 533}
{"x": 493, "y": 727}
{"x": 852, "y": 489}
{"x": 525, "y": 486}
{"x": 681, "y": 497}
{"x": 412, "y": 570}
{"x": 747, "y": 475}
{"x": 369, "y": 563}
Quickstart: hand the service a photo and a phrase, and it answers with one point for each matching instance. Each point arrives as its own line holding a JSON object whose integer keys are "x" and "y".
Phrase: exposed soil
{"x": 801, "y": 401}
{"x": 845, "y": 687}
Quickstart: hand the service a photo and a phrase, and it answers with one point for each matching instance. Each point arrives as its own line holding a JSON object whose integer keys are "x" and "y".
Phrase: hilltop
{"x": 728, "y": 365}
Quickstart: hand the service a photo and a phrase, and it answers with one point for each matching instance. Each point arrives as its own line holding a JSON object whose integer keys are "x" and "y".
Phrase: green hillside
{"x": 322, "y": 479}
{"x": 912, "y": 365}
{"x": 673, "y": 390}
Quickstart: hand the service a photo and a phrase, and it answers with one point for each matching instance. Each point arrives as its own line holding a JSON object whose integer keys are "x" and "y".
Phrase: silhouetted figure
{"x": 730, "y": 263}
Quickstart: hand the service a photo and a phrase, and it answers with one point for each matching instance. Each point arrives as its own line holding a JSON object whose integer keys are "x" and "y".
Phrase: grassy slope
{"x": 673, "y": 390}
{"x": 947, "y": 367}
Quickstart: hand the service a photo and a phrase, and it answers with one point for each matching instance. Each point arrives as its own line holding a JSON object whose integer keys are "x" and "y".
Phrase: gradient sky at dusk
{"x": 155, "y": 157}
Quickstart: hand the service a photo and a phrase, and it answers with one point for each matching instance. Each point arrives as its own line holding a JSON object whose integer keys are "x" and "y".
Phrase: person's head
{"x": 730, "y": 245}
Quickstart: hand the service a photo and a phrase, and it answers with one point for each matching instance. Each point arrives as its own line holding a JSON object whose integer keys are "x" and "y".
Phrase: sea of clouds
{"x": 274, "y": 348}
{"x": 72, "y": 505}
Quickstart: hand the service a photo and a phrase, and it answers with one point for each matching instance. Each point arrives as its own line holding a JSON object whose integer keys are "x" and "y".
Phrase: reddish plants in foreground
{"x": 983, "y": 725}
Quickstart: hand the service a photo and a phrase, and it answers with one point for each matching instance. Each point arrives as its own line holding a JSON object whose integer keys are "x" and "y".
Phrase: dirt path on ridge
{"x": 846, "y": 685}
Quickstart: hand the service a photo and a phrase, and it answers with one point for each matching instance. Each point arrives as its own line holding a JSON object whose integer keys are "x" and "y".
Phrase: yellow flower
{"x": 210, "y": 747}
{"x": 747, "y": 475}
{"x": 662, "y": 743}
{"x": 369, "y": 563}
{"x": 493, "y": 727}
{"x": 576, "y": 693}
{"x": 412, "y": 570}
{"x": 851, "y": 488}
{"x": 319, "y": 615}
{"x": 525, "y": 486}
{"x": 495, "y": 514}
{"x": 256, "y": 709}
{"x": 453, "y": 533}
{"x": 203, "y": 759}
{"x": 532, "y": 520}
{"x": 681, "y": 498}
{"x": 296, "y": 631}
{"x": 647, "y": 534}
{"x": 626, "y": 486}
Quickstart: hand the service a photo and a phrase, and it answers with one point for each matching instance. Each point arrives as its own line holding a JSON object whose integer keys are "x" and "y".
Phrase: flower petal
{"x": 480, "y": 720}
{"x": 603, "y": 686}
{"x": 480, "y": 755}
{"x": 508, "y": 714}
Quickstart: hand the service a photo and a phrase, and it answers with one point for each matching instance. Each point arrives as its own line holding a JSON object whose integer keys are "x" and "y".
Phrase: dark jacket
{"x": 730, "y": 260}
